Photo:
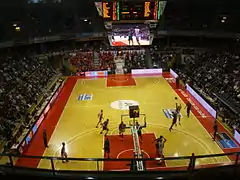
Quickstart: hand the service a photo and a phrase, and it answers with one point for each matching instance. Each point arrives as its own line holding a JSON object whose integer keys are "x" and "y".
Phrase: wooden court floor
{"x": 77, "y": 124}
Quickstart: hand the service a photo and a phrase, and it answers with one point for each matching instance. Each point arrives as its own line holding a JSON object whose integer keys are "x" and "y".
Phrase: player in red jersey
{"x": 121, "y": 129}
{"x": 105, "y": 127}
{"x": 64, "y": 153}
{"x": 100, "y": 118}
{"x": 174, "y": 121}
{"x": 188, "y": 106}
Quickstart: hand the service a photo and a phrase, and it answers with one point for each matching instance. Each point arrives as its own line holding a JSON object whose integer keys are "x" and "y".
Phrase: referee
{"x": 215, "y": 130}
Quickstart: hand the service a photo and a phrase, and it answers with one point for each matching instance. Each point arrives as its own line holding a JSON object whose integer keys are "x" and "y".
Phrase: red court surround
{"x": 124, "y": 149}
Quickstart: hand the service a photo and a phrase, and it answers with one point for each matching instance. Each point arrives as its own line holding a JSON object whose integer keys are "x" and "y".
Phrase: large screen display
{"x": 130, "y": 35}
{"x": 202, "y": 101}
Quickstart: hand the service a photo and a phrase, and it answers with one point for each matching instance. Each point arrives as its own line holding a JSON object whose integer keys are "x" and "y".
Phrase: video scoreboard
{"x": 130, "y": 10}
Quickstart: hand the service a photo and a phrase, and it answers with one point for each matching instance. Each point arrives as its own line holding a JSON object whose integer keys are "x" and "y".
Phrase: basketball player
{"x": 105, "y": 127}
{"x": 45, "y": 139}
{"x": 64, "y": 153}
{"x": 100, "y": 118}
{"x": 159, "y": 143}
{"x": 176, "y": 102}
{"x": 121, "y": 129}
{"x": 178, "y": 110}
{"x": 130, "y": 38}
{"x": 137, "y": 35}
{"x": 215, "y": 130}
{"x": 188, "y": 106}
{"x": 139, "y": 130}
{"x": 106, "y": 148}
{"x": 113, "y": 39}
{"x": 174, "y": 121}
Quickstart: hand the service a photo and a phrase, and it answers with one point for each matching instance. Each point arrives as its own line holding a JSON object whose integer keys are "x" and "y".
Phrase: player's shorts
{"x": 160, "y": 151}
{"x": 174, "y": 121}
{"x": 179, "y": 115}
{"x": 121, "y": 130}
{"x": 63, "y": 154}
{"x": 105, "y": 128}
{"x": 107, "y": 150}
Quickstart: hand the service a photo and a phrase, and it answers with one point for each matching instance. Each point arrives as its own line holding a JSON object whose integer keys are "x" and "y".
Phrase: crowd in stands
{"x": 22, "y": 80}
{"x": 83, "y": 61}
{"x": 216, "y": 74}
{"x": 135, "y": 60}
{"x": 106, "y": 61}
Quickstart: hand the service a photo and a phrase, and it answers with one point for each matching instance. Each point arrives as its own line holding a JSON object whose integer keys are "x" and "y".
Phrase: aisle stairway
{"x": 96, "y": 59}
{"x": 120, "y": 62}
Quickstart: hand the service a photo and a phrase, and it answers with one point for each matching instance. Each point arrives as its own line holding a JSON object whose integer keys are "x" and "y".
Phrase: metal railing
{"x": 98, "y": 166}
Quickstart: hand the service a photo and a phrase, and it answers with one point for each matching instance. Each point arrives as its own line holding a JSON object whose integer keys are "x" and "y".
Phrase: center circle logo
{"x": 123, "y": 104}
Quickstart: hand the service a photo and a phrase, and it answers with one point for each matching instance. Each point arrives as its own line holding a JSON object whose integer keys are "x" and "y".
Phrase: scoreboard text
{"x": 130, "y": 10}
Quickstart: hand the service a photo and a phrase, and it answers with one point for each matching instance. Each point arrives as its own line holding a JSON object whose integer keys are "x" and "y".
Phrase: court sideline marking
{"x": 57, "y": 125}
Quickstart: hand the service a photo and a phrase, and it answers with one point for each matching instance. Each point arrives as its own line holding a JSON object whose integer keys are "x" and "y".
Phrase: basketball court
{"x": 123, "y": 41}
{"x": 76, "y": 124}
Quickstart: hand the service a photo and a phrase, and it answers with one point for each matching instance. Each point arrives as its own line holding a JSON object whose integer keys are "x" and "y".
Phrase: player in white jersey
{"x": 159, "y": 143}
{"x": 137, "y": 35}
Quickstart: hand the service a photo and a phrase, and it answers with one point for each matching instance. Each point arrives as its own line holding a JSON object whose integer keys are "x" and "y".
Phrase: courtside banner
{"x": 173, "y": 73}
{"x": 96, "y": 73}
{"x": 237, "y": 135}
{"x": 202, "y": 101}
{"x": 146, "y": 71}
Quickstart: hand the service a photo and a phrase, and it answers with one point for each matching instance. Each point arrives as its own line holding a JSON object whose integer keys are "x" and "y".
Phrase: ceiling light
{"x": 224, "y": 17}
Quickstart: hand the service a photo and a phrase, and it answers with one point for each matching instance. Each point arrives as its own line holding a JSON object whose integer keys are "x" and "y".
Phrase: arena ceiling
{"x": 82, "y": 16}
{"x": 222, "y": 15}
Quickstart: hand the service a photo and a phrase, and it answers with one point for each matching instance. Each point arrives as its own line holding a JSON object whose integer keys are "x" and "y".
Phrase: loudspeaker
{"x": 134, "y": 111}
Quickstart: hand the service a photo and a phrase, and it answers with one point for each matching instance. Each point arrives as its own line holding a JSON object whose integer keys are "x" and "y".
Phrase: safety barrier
{"x": 96, "y": 164}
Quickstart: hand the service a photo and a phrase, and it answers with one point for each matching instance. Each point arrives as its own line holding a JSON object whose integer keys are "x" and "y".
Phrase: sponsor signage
{"x": 96, "y": 73}
{"x": 146, "y": 71}
{"x": 173, "y": 73}
{"x": 202, "y": 101}
{"x": 193, "y": 104}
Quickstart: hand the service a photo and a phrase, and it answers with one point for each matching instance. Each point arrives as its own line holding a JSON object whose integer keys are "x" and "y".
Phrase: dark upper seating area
{"x": 47, "y": 19}
{"x": 215, "y": 16}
